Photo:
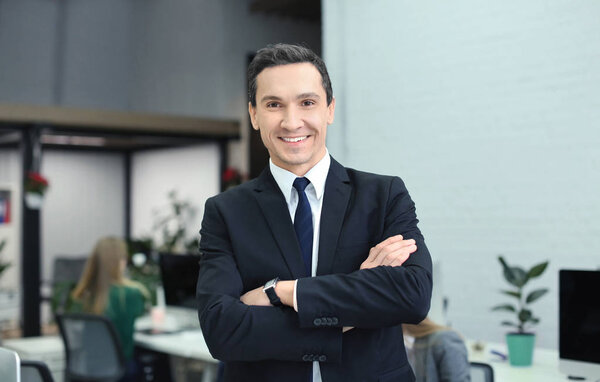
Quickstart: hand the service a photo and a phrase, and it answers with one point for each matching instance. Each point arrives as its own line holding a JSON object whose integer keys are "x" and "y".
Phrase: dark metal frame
{"x": 40, "y": 367}
{"x": 488, "y": 368}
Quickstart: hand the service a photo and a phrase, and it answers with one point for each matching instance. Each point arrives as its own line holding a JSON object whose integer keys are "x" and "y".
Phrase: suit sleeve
{"x": 236, "y": 332}
{"x": 378, "y": 297}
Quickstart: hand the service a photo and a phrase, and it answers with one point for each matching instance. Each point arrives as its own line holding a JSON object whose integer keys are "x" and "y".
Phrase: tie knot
{"x": 300, "y": 184}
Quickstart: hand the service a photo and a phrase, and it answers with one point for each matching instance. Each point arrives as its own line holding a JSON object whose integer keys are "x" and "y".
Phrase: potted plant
{"x": 172, "y": 223}
{"x": 521, "y": 342}
{"x": 35, "y": 187}
{"x": 3, "y": 265}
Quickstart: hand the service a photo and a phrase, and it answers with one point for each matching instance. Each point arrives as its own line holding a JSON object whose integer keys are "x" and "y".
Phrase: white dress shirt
{"x": 314, "y": 193}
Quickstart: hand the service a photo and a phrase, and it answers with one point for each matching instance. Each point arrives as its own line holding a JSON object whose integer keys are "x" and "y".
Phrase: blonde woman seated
{"x": 103, "y": 289}
{"x": 437, "y": 353}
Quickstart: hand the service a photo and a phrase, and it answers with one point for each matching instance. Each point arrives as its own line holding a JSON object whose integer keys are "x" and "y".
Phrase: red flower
{"x": 36, "y": 183}
{"x": 230, "y": 175}
{"x": 37, "y": 177}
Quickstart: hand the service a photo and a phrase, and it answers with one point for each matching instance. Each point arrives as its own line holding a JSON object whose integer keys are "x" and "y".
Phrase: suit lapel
{"x": 335, "y": 203}
{"x": 275, "y": 210}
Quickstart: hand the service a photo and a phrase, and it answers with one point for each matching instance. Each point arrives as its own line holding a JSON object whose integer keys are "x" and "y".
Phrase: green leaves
{"x": 525, "y": 315}
{"x": 505, "y": 307}
{"x": 512, "y": 293}
{"x": 531, "y": 297}
{"x": 518, "y": 277}
{"x": 514, "y": 275}
{"x": 3, "y": 265}
{"x": 537, "y": 270}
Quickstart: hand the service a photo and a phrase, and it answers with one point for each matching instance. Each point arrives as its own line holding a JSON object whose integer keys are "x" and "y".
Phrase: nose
{"x": 291, "y": 119}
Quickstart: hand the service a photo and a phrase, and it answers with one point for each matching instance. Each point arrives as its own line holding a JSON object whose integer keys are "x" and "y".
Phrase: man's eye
{"x": 308, "y": 103}
{"x": 272, "y": 104}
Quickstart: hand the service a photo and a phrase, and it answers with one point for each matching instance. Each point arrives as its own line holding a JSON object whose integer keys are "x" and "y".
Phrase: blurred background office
{"x": 488, "y": 111}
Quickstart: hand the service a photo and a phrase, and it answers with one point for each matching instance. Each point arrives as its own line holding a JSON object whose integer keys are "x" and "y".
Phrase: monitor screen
{"x": 579, "y": 321}
{"x": 179, "y": 275}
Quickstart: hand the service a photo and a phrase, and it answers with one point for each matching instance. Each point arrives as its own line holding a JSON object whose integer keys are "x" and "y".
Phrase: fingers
{"x": 393, "y": 251}
{"x": 374, "y": 252}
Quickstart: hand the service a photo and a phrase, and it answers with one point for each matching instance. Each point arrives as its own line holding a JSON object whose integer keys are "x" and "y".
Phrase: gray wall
{"x": 172, "y": 56}
{"x": 178, "y": 56}
{"x": 490, "y": 113}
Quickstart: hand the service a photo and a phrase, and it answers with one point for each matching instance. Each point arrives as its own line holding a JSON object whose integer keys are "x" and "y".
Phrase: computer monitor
{"x": 179, "y": 275}
{"x": 579, "y": 323}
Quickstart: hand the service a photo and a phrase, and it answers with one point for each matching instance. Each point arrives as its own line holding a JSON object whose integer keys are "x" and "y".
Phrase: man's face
{"x": 292, "y": 115}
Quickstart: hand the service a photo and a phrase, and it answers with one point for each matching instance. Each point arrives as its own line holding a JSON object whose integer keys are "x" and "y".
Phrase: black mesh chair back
{"x": 94, "y": 352}
{"x": 481, "y": 372}
{"x": 66, "y": 271}
{"x": 35, "y": 371}
{"x": 68, "y": 268}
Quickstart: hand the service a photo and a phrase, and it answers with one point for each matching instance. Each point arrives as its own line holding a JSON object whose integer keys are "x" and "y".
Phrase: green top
{"x": 125, "y": 304}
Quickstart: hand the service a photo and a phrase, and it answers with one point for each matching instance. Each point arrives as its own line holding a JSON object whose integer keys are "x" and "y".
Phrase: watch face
{"x": 269, "y": 284}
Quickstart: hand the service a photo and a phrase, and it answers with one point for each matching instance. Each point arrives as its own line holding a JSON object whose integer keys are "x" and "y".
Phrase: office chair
{"x": 65, "y": 275}
{"x": 35, "y": 371}
{"x": 94, "y": 352}
{"x": 481, "y": 372}
{"x": 9, "y": 365}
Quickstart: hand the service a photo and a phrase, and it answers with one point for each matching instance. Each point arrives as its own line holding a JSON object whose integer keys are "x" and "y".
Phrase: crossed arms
{"x": 238, "y": 324}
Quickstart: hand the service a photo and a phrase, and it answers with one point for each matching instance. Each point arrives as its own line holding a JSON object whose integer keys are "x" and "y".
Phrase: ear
{"x": 331, "y": 111}
{"x": 252, "y": 113}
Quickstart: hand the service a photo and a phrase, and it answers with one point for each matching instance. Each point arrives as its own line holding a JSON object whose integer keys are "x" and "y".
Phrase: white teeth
{"x": 298, "y": 139}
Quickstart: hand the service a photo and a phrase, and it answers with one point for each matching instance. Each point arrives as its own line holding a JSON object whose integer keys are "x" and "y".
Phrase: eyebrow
{"x": 300, "y": 96}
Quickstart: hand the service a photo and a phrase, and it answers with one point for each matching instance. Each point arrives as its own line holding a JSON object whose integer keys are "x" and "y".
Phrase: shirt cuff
{"x": 295, "y": 299}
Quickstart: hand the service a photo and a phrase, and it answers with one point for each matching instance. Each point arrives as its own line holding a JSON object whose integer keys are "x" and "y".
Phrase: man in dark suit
{"x": 308, "y": 270}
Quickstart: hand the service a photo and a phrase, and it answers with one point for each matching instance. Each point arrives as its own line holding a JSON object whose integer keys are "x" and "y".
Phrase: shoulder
{"x": 386, "y": 188}
{"x": 359, "y": 178}
{"x": 132, "y": 287}
{"x": 447, "y": 340}
{"x": 235, "y": 194}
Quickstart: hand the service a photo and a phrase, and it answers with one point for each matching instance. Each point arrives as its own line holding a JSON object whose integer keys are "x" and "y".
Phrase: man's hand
{"x": 393, "y": 251}
{"x": 284, "y": 290}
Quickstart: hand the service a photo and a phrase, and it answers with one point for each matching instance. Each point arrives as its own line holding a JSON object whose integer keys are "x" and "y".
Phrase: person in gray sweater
{"x": 437, "y": 354}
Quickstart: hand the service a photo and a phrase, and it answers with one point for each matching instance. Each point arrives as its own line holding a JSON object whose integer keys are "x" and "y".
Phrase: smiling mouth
{"x": 294, "y": 140}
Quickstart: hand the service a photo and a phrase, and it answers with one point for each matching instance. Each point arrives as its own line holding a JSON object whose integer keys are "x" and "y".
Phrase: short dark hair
{"x": 284, "y": 54}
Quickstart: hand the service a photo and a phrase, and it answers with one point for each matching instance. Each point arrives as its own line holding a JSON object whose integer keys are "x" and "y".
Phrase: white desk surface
{"x": 543, "y": 369}
{"x": 186, "y": 343}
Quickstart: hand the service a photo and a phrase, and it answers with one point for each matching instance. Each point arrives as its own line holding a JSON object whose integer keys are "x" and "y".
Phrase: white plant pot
{"x": 34, "y": 200}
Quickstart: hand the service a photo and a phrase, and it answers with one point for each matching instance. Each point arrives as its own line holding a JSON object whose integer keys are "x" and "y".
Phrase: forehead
{"x": 290, "y": 79}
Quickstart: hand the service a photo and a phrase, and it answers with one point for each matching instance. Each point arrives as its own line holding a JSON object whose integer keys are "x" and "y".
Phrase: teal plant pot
{"x": 520, "y": 348}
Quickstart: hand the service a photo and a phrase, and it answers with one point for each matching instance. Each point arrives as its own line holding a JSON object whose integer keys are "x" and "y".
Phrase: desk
{"x": 544, "y": 368}
{"x": 188, "y": 344}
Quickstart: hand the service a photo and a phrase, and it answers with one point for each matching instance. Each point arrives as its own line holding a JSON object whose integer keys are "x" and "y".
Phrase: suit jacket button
{"x": 317, "y": 322}
{"x": 322, "y": 358}
{"x": 306, "y": 358}
{"x": 334, "y": 321}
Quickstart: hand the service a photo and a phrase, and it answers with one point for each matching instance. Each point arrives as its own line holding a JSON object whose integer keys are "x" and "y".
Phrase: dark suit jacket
{"x": 248, "y": 238}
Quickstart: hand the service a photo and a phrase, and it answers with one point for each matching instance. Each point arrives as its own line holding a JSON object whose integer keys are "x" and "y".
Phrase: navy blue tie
{"x": 303, "y": 224}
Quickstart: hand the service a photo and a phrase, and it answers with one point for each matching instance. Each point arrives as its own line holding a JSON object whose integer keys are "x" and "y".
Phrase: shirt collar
{"x": 317, "y": 176}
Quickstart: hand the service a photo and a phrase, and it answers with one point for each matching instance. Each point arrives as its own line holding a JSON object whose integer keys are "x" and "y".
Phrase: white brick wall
{"x": 490, "y": 113}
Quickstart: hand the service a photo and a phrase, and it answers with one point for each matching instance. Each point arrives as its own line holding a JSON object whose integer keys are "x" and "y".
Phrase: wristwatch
{"x": 269, "y": 289}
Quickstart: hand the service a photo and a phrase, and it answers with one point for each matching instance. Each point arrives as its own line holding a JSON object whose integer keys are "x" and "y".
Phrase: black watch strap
{"x": 269, "y": 289}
